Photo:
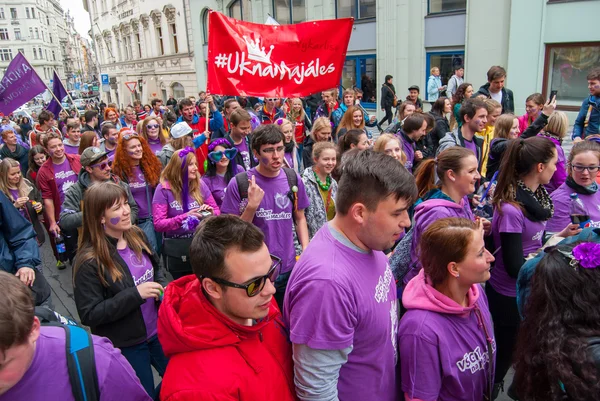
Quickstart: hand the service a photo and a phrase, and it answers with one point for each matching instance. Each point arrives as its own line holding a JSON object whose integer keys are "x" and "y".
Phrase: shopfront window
{"x": 565, "y": 69}
{"x": 361, "y": 72}
{"x": 446, "y": 62}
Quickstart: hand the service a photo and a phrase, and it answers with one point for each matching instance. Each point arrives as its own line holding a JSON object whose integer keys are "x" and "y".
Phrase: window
{"x": 445, "y": 61}
{"x": 34, "y": 54}
{"x": 361, "y": 72}
{"x": 119, "y": 54}
{"x": 27, "y": 12}
{"x": 178, "y": 91}
{"x": 32, "y": 12}
{"x": 43, "y": 36}
{"x": 240, "y": 9}
{"x": 128, "y": 47}
{"x": 3, "y": 33}
{"x": 446, "y": 6}
{"x": 205, "y": 27}
{"x": 47, "y": 20}
{"x": 359, "y": 9}
{"x": 5, "y": 54}
{"x": 13, "y": 13}
{"x": 139, "y": 44}
{"x": 286, "y": 14}
{"x": 46, "y": 51}
{"x": 174, "y": 44}
{"x": 17, "y": 34}
{"x": 50, "y": 36}
{"x": 2, "y": 13}
{"x": 566, "y": 66}
{"x": 30, "y": 33}
{"x": 22, "y": 51}
{"x": 53, "y": 55}
{"x": 37, "y": 33}
{"x": 161, "y": 47}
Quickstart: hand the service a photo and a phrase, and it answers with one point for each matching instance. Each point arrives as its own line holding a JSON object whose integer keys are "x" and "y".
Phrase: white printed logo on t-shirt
{"x": 538, "y": 236}
{"x": 282, "y": 201}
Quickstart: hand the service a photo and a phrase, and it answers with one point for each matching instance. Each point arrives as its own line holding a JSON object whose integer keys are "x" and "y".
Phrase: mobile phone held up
{"x": 553, "y": 94}
{"x": 205, "y": 213}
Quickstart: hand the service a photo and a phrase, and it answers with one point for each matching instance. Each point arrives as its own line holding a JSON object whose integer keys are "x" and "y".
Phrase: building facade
{"x": 32, "y": 27}
{"x": 145, "y": 47}
{"x": 537, "y": 41}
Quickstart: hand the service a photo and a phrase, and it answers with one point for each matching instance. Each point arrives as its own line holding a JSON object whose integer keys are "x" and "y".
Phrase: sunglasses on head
{"x": 130, "y": 136}
{"x": 103, "y": 165}
{"x": 218, "y": 155}
{"x": 255, "y": 286}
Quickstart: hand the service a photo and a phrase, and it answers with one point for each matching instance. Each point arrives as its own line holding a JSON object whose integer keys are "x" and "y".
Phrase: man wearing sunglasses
{"x": 341, "y": 304}
{"x": 269, "y": 113}
{"x": 95, "y": 167}
{"x": 221, "y": 328}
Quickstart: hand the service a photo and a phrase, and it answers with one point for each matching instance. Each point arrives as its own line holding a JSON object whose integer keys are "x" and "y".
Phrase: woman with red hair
{"x": 112, "y": 116}
{"x": 136, "y": 164}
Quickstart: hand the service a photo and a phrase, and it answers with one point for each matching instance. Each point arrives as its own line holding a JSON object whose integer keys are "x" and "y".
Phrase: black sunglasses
{"x": 255, "y": 286}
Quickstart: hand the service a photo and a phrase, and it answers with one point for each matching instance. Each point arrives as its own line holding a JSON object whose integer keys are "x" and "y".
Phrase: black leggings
{"x": 506, "y": 326}
{"x": 389, "y": 116}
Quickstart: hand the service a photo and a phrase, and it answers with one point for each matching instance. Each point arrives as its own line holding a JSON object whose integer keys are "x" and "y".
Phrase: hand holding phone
{"x": 553, "y": 94}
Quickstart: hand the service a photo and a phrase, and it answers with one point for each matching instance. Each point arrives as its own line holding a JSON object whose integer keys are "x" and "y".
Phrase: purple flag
{"x": 60, "y": 92}
{"x": 19, "y": 85}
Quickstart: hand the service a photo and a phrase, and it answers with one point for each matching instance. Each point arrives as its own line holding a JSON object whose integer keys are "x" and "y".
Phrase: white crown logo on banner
{"x": 256, "y": 53}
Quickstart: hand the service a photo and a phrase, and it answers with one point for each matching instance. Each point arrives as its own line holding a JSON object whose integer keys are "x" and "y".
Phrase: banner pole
{"x": 55, "y": 98}
{"x": 207, "y": 105}
{"x": 68, "y": 94}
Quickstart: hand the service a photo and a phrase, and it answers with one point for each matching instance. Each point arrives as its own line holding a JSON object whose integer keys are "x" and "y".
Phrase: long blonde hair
{"x": 348, "y": 119}
{"x": 294, "y": 116}
{"x": 382, "y": 142}
{"x": 173, "y": 174}
{"x": 319, "y": 124}
{"x": 93, "y": 244}
{"x": 24, "y": 186}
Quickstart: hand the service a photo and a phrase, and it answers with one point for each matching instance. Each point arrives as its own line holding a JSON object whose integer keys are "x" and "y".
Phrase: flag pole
{"x": 207, "y": 105}
{"x": 55, "y": 98}
{"x": 68, "y": 94}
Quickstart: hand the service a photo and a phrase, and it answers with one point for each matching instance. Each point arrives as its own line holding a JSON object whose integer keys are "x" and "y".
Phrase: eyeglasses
{"x": 580, "y": 169}
{"x": 218, "y": 155}
{"x": 103, "y": 165}
{"x": 130, "y": 136}
{"x": 153, "y": 126}
{"x": 278, "y": 149}
{"x": 255, "y": 286}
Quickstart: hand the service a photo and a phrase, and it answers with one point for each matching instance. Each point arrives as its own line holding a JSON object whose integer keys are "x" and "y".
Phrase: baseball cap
{"x": 414, "y": 87}
{"x": 91, "y": 155}
{"x": 181, "y": 129}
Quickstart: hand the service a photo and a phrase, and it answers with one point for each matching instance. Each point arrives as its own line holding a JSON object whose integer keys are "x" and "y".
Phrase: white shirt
{"x": 497, "y": 96}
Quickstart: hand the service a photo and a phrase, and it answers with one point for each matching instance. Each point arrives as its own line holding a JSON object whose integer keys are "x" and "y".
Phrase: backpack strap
{"x": 81, "y": 364}
{"x": 242, "y": 183}
{"x": 292, "y": 179}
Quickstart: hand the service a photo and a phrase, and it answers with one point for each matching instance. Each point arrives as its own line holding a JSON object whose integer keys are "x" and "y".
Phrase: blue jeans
{"x": 280, "y": 284}
{"x": 142, "y": 357}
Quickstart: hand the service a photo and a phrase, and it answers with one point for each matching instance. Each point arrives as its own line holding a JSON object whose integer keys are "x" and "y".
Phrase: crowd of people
{"x": 265, "y": 249}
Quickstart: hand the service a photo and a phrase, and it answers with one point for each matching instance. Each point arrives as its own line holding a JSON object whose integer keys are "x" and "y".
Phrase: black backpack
{"x": 292, "y": 178}
{"x": 81, "y": 362}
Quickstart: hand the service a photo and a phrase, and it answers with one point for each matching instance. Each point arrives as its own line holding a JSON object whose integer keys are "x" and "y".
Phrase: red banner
{"x": 247, "y": 59}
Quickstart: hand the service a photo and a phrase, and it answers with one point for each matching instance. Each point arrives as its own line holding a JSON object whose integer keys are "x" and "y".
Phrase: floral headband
{"x": 586, "y": 255}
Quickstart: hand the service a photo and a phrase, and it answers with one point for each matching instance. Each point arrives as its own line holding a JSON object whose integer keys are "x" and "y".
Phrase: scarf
{"x": 537, "y": 205}
{"x": 550, "y": 135}
{"x": 580, "y": 189}
{"x": 289, "y": 147}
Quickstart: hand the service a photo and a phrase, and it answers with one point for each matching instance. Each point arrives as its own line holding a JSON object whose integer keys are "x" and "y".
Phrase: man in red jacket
{"x": 221, "y": 329}
{"x": 53, "y": 179}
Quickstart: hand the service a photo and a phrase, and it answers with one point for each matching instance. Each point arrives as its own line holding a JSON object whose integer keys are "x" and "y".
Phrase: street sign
{"x": 95, "y": 88}
{"x": 105, "y": 88}
{"x": 104, "y": 79}
{"x": 77, "y": 86}
{"x": 131, "y": 86}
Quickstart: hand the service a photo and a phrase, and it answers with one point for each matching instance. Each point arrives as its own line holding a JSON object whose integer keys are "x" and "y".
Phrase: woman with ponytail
{"x": 456, "y": 168}
{"x": 181, "y": 201}
{"x": 522, "y": 206}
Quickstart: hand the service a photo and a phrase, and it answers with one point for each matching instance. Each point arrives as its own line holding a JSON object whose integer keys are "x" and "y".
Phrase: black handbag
{"x": 40, "y": 288}
{"x": 177, "y": 256}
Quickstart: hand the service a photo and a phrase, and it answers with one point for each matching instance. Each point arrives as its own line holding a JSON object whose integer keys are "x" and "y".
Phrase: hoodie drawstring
{"x": 488, "y": 338}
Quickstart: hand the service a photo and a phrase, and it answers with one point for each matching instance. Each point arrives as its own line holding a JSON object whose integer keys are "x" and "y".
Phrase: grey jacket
{"x": 71, "y": 216}
{"x": 316, "y": 215}
{"x": 455, "y": 138}
{"x": 165, "y": 154}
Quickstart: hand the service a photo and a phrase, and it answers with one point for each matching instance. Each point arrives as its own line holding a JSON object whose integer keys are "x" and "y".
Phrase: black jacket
{"x": 20, "y": 154}
{"x": 442, "y": 126}
{"x": 388, "y": 92}
{"x": 114, "y": 311}
{"x": 307, "y": 160}
{"x": 239, "y": 159}
{"x": 508, "y": 100}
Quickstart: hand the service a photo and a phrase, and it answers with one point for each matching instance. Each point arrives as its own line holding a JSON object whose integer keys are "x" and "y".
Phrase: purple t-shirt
{"x": 243, "y": 150}
{"x": 472, "y": 146}
{"x": 289, "y": 158}
{"x": 217, "y": 185}
{"x": 64, "y": 178}
{"x": 444, "y": 356}
{"x": 512, "y": 220}
{"x": 274, "y": 215}
{"x": 48, "y": 379}
{"x": 155, "y": 145}
{"x": 142, "y": 271}
{"x": 338, "y": 297}
{"x": 409, "y": 151}
{"x": 165, "y": 197}
{"x": 562, "y": 202}
{"x": 137, "y": 184}
{"x": 71, "y": 149}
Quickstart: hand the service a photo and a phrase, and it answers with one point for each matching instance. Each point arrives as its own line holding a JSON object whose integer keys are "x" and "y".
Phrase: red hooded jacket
{"x": 211, "y": 358}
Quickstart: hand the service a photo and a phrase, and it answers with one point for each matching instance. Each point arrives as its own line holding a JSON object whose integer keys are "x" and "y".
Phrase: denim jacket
{"x": 579, "y": 131}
